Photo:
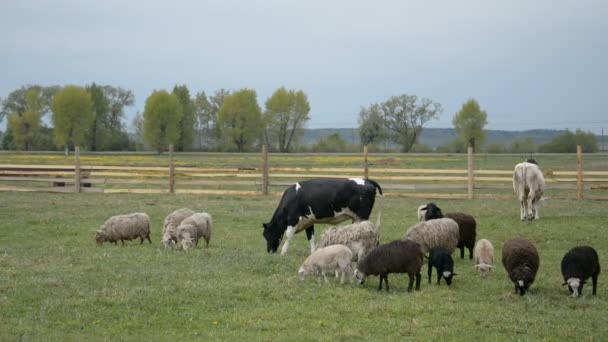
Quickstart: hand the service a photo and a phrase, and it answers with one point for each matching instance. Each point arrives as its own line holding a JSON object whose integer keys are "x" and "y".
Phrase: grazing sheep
{"x": 197, "y": 226}
{"x": 520, "y": 258}
{"x": 529, "y": 185}
{"x": 435, "y": 233}
{"x": 578, "y": 265}
{"x": 400, "y": 256}
{"x": 441, "y": 259}
{"x": 467, "y": 226}
{"x": 360, "y": 237}
{"x": 483, "y": 256}
{"x": 171, "y": 223}
{"x": 334, "y": 258}
{"x": 124, "y": 227}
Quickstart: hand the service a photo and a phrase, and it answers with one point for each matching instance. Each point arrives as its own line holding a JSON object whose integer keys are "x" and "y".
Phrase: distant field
{"x": 56, "y": 285}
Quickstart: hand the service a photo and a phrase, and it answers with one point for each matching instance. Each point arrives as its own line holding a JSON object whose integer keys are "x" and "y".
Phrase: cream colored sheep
{"x": 124, "y": 227}
{"x": 171, "y": 223}
{"x": 197, "y": 226}
{"x": 483, "y": 256}
{"x": 334, "y": 258}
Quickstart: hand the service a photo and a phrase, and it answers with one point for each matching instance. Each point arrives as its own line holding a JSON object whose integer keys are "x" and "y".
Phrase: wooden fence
{"x": 264, "y": 180}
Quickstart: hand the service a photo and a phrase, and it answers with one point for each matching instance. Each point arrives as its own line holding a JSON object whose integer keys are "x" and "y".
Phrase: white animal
{"x": 171, "y": 223}
{"x": 483, "y": 256}
{"x": 334, "y": 258}
{"x": 124, "y": 227}
{"x": 193, "y": 228}
{"x": 529, "y": 185}
{"x": 443, "y": 232}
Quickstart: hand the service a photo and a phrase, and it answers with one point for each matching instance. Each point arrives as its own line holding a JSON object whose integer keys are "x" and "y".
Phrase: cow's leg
{"x": 530, "y": 203}
{"x": 310, "y": 234}
{"x": 536, "y": 208}
{"x": 291, "y": 230}
{"x": 522, "y": 208}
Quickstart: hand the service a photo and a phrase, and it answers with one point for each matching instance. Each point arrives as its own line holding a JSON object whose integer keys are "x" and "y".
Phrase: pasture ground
{"x": 56, "y": 285}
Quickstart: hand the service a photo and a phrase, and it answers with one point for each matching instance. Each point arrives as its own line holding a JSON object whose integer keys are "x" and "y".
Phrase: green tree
{"x": 371, "y": 125}
{"x": 469, "y": 123}
{"x": 25, "y": 125}
{"x": 285, "y": 117}
{"x": 118, "y": 98}
{"x": 72, "y": 116}
{"x": 567, "y": 141}
{"x": 240, "y": 119}
{"x": 162, "y": 115}
{"x": 101, "y": 123}
{"x": 405, "y": 115}
{"x": 187, "y": 121}
{"x": 16, "y": 101}
{"x": 523, "y": 145}
{"x": 331, "y": 143}
{"x": 138, "y": 127}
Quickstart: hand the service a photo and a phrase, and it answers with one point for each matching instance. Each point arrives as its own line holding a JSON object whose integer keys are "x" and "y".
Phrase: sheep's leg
{"x": 594, "y": 281}
{"x": 462, "y": 252}
{"x": 430, "y": 271}
{"x": 380, "y": 286}
{"x": 439, "y": 274}
{"x": 342, "y": 278}
{"x": 386, "y": 281}
{"x": 141, "y": 240}
{"x": 471, "y": 252}
{"x": 206, "y": 243}
{"x": 291, "y": 230}
{"x": 310, "y": 235}
{"x": 410, "y": 283}
{"x": 123, "y": 242}
{"x": 148, "y": 237}
{"x": 324, "y": 277}
{"x": 418, "y": 278}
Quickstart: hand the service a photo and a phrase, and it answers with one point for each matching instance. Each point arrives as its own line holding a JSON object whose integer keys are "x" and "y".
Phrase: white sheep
{"x": 483, "y": 256}
{"x": 360, "y": 237}
{"x": 442, "y": 232}
{"x": 171, "y": 223}
{"x": 197, "y": 226}
{"x": 334, "y": 258}
{"x": 124, "y": 227}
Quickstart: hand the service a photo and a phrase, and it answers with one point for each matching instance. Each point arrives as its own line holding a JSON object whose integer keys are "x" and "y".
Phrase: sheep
{"x": 197, "y": 226}
{"x": 171, "y": 223}
{"x": 529, "y": 185}
{"x": 467, "y": 226}
{"x": 521, "y": 260}
{"x": 578, "y": 265}
{"x": 334, "y": 258}
{"x": 435, "y": 233}
{"x": 360, "y": 237}
{"x": 124, "y": 227}
{"x": 399, "y": 256}
{"x": 483, "y": 256}
{"x": 441, "y": 259}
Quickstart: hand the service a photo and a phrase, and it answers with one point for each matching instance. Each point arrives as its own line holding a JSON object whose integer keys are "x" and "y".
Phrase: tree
{"x": 162, "y": 115}
{"x": 205, "y": 120}
{"x": 16, "y": 101}
{"x": 118, "y": 99}
{"x": 240, "y": 118}
{"x": 469, "y": 123}
{"x": 72, "y": 116}
{"x": 404, "y": 117}
{"x": 187, "y": 121}
{"x": 371, "y": 125}
{"x": 25, "y": 124}
{"x": 285, "y": 117}
{"x": 138, "y": 126}
{"x": 101, "y": 123}
{"x": 331, "y": 143}
{"x": 567, "y": 141}
{"x": 523, "y": 145}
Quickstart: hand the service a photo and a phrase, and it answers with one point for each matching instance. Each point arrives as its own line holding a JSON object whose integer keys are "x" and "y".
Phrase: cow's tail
{"x": 379, "y": 188}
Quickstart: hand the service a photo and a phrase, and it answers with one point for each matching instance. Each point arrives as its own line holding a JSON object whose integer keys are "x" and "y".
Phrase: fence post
{"x": 171, "y": 171}
{"x": 579, "y": 177}
{"x": 470, "y": 172}
{"x": 365, "y": 163}
{"x": 265, "y": 179}
{"x": 76, "y": 169}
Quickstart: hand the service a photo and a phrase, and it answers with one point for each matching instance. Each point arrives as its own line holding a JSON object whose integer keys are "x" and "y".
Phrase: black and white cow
{"x": 319, "y": 200}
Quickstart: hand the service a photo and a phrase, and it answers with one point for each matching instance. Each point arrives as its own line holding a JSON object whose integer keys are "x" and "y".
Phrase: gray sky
{"x": 530, "y": 64}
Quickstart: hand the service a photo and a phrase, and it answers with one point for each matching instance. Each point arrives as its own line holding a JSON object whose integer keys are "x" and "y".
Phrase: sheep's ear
{"x": 425, "y": 208}
{"x": 490, "y": 266}
{"x": 454, "y": 274}
{"x": 265, "y": 225}
{"x": 583, "y": 282}
{"x": 564, "y": 284}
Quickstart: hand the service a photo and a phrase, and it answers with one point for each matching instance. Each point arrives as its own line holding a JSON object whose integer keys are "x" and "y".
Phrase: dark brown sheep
{"x": 521, "y": 260}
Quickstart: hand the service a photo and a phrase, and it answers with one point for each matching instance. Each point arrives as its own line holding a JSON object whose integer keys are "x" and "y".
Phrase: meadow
{"x": 57, "y": 285}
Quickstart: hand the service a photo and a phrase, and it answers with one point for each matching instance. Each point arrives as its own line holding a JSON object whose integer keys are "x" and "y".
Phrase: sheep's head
{"x": 168, "y": 243}
{"x": 186, "y": 241}
{"x": 575, "y": 285}
{"x": 521, "y": 287}
{"x": 360, "y": 276}
{"x": 99, "y": 237}
{"x": 447, "y": 275}
{"x": 301, "y": 273}
{"x": 432, "y": 212}
{"x": 483, "y": 268}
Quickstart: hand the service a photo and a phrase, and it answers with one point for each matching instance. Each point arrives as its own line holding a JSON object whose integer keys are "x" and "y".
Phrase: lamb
{"x": 529, "y": 185}
{"x": 467, "y": 226}
{"x": 197, "y": 226}
{"x": 521, "y": 260}
{"x": 400, "y": 256}
{"x": 434, "y": 233}
{"x": 360, "y": 237}
{"x": 441, "y": 259}
{"x": 124, "y": 227}
{"x": 578, "y": 265}
{"x": 334, "y": 258}
{"x": 171, "y": 223}
{"x": 483, "y": 256}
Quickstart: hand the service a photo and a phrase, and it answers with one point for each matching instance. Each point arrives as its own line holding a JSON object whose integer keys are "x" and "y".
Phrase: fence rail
{"x": 262, "y": 180}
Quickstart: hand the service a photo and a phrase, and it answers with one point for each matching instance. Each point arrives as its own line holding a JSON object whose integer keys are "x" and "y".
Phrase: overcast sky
{"x": 530, "y": 64}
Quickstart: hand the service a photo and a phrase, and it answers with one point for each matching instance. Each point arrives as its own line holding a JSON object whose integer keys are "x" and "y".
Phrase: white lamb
{"x": 483, "y": 256}
{"x": 334, "y": 258}
{"x": 193, "y": 228}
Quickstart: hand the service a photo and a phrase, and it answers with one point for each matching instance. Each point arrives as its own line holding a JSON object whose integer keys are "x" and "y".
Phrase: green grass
{"x": 56, "y": 285}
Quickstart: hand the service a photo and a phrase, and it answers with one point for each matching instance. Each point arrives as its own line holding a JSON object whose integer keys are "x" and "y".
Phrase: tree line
{"x": 93, "y": 117}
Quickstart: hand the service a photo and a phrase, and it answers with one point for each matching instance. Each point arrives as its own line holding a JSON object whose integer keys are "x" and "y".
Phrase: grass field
{"x": 56, "y": 285}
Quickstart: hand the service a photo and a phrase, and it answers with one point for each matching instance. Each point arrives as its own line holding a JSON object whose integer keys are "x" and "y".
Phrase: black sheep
{"x": 467, "y": 226}
{"x": 399, "y": 256}
{"x": 441, "y": 259}
{"x": 521, "y": 260}
{"x": 578, "y": 265}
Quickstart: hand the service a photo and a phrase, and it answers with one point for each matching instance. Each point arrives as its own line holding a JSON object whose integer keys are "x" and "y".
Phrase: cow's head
{"x": 272, "y": 239}
{"x": 432, "y": 212}
{"x": 531, "y": 161}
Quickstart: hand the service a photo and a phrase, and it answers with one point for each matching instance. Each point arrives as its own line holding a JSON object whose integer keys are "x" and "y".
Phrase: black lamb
{"x": 578, "y": 265}
{"x": 399, "y": 256}
{"x": 441, "y": 259}
{"x": 467, "y": 226}
{"x": 521, "y": 260}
